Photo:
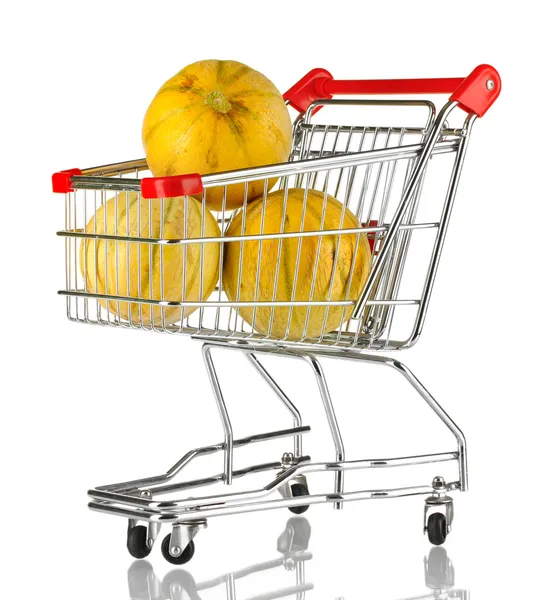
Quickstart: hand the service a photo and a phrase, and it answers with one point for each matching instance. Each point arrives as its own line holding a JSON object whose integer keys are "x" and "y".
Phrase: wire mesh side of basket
{"x": 366, "y": 168}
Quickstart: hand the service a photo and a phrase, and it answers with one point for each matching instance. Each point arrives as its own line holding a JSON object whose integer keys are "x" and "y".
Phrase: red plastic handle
{"x": 475, "y": 93}
{"x": 171, "y": 186}
{"x": 61, "y": 181}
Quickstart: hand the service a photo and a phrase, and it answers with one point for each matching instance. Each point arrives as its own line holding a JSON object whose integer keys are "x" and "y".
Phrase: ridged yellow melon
{"x": 335, "y": 265}
{"x": 217, "y": 115}
{"x": 148, "y": 271}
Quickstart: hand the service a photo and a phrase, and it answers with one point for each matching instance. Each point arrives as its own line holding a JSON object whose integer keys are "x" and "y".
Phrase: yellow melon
{"x": 217, "y": 115}
{"x": 334, "y": 276}
{"x": 150, "y": 271}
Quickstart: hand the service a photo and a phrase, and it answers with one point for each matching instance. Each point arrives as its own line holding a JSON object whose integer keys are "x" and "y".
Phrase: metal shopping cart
{"x": 398, "y": 181}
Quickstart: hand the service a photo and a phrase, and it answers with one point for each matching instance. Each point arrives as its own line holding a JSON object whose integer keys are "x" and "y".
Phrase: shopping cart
{"x": 398, "y": 181}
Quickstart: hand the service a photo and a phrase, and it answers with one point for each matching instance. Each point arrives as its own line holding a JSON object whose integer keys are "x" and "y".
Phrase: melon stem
{"x": 218, "y": 102}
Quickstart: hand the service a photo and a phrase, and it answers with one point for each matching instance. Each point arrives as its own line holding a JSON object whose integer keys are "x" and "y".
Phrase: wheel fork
{"x": 439, "y": 502}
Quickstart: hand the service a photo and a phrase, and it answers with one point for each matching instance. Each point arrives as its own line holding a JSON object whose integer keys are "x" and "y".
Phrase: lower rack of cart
{"x": 139, "y": 500}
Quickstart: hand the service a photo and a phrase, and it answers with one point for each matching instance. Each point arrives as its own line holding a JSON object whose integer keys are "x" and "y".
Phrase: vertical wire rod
{"x": 430, "y": 400}
{"x": 332, "y": 422}
{"x": 402, "y": 208}
{"x": 442, "y": 230}
{"x": 446, "y": 419}
{"x": 223, "y": 412}
{"x": 298, "y": 450}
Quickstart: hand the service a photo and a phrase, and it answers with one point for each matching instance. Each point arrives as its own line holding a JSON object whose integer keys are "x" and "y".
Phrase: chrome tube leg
{"x": 296, "y": 416}
{"x": 435, "y": 406}
{"x": 153, "y": 532}
{"x": 446, "y": 419}
{"x": 332, "y": 422}
{"x": 223, "y": 412}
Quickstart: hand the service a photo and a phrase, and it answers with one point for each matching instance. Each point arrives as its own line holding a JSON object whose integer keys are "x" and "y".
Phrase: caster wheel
{"x": 299, "y": 489}
{"x": 137, "y": 541}
{"x": 183, "y": 558}
{"x": 437, "y": 529}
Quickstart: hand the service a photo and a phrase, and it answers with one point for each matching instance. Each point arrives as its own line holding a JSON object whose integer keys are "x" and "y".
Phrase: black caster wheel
{"x": 185, "y": 556}
{"x": 137, "y": 541}
{"x": 437, "y": 529}
{"x": 299, "y": 489}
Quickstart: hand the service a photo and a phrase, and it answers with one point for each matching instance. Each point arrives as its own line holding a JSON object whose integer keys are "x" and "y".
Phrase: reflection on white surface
{"x": 293, "y": 557}
{"x": 179, "y": 584}
{"x": 439, "y": 576}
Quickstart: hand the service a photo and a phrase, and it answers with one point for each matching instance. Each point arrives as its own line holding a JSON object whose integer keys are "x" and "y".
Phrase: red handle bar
{"x": 475, "y": 93}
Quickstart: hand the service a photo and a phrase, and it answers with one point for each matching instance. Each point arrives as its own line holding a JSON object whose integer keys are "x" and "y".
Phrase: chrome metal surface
{"x": 288, "y": 459}
{"x": 303, "y": 468}
{"x": 217, "y": 509}
{"x": 183, "y": 534}
{"x": 153, "y": 483}
{"x": 125, "y": 499}
{"x": 286, "y": 489}
{"x": 121, "y": 168}
{"x": 406, "y": 199}
{"x": 254, "y": 360}
{"x": 153, "y": 532}
{"x": 223, "y": 412}
{"x": 438, "y": 483}
{"x": 398, "y": 181}
{"x": 382, "y": 174}
{"x": 332, "y": 422}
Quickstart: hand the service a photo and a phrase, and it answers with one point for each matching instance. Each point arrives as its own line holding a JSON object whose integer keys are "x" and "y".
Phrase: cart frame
{"x": 369, "y": 328}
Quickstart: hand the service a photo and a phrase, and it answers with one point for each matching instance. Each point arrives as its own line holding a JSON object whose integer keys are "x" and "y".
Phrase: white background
{"x": 83, "y": 406}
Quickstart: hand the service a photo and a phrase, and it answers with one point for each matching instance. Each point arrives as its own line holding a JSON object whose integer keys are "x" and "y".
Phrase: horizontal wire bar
{"x": 177, "y": 514}
{"x": 300, "y": 469}
{"x": 241, "y": 238}
{"x": 281, "y": 169}
{"x": 351, "y": 159}
{"x": 348, "y": 341}
{"x": 318, "y": 128}
{"x": 128, "y": 166}
{"x": 141, "y": 163}
{"x": 213, "y": 479}
{"x": 203, "y": 451}
{"x": 228, "y": 303}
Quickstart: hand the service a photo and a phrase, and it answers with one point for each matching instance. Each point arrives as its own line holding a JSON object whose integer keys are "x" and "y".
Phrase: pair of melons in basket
{"x": 217, "y": 116}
